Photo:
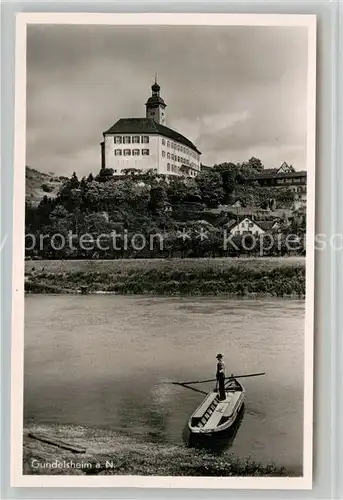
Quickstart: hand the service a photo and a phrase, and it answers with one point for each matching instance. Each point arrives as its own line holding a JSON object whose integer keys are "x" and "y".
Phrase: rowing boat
{"x": 214, "y": 415}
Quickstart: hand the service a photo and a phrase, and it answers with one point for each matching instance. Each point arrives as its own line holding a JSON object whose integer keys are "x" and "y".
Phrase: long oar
{"x": 191, "y": 388}
{"x": 213, "y": 379}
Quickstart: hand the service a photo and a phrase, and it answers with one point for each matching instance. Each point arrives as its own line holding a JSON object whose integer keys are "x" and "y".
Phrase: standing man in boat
{"x": 221, "y": 376}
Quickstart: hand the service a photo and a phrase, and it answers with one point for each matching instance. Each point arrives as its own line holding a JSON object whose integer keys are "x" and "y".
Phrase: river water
{"x": 104, "y": 360}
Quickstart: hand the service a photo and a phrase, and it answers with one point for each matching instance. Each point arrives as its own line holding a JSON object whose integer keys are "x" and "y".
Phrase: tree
{"x": 105, "y": 175}
{"x": 74, "y": 181}
{"x": 158, "y": 198}
{"x": 210, "y": 186}
{"x": 256, "y": 164}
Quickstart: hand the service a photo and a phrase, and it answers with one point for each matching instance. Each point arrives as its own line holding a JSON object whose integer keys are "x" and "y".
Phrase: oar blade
{"x": 213, "y": 379}
{"x": 248, "y": 375}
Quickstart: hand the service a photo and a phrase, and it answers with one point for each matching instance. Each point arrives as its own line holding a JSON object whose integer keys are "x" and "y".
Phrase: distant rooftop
{"x": 267, "y": 174}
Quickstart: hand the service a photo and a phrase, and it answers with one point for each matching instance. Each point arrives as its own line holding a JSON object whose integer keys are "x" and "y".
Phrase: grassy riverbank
{"x": 234, "y": 277}
{"x": 109, "y": 453}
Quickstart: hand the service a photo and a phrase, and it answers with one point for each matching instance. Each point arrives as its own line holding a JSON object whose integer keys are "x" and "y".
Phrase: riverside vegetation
{"x": 108, "y": 453}
{"x": 235, "y": 277}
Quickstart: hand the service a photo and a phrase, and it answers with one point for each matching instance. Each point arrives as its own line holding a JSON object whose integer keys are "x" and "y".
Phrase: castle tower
{"x": 155, "y": 105}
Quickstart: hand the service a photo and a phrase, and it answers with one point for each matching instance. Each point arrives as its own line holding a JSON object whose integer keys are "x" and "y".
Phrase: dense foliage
{"x": 178, "y": 210}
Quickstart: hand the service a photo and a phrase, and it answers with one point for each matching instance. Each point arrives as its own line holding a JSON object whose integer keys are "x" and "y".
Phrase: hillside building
{"x": 249, "y": 226}
{"x": 286, "y": 177}
{"x": 148, "y": 144}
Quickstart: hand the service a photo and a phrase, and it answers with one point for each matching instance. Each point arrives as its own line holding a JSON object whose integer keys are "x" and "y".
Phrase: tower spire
{"x": 155, "y": 105}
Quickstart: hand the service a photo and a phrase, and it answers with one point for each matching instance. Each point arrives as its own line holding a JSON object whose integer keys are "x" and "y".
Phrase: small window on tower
{"x": 127, "y": 139}
{"x": 127, "y": 152}
{"x": 163, "y": 142}
{"x": 163, "y": 154}
{"x": 168, "y": 167}
{"x": 145, "y": 152}
{"x": 168, "y": 155}
{"x": 135, "y": 152}
{"x": 135, "y": 139}
{"x": 168, "y": 144}
{"x": 117, "y": 140}
{"x": 145, "y": 139}
{"x": 117, "y": 152}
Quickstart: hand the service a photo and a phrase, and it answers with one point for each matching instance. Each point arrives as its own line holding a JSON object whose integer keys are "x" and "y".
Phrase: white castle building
{"x": 147, "y": 144}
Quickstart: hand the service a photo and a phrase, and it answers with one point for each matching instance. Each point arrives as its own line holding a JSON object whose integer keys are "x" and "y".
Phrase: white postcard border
{"x": 17, "y": 340}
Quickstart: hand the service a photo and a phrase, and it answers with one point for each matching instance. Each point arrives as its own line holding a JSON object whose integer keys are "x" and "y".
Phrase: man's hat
{"x": 219, "y": 356}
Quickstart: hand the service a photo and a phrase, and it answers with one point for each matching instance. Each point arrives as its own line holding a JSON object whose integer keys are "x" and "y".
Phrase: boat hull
{"x": 214, "y": 416}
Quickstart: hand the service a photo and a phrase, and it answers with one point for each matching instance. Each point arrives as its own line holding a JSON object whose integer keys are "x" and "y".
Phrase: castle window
{"x": 135, "y": 152}
{"x": 168, "y": 167}
{"x": 127, "y": 139}
{"x": 163, "y": 154}
{"x": 127, "y": 152}
{"x": 135, "y": 139}
{"x": 168, "y": 144}
{"x": 163, "y": 142}
{"x": 117, "y": 140}
{"x": 168, "y": 155}
{"x": 145, "y": 152}
{"x": 178, "y": 158}
{"x": 145, "y": 139}
{"x": 117, "y": 152}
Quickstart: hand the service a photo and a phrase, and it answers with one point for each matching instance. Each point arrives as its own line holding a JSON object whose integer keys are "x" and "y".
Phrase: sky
{"x": 235, "y": 92}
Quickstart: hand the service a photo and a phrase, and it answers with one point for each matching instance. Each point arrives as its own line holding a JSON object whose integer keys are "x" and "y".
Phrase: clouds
{"x": 235, "y": 92}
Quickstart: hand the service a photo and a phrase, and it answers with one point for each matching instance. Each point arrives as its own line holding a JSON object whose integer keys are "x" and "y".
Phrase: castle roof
{"x": 150, "y": 127}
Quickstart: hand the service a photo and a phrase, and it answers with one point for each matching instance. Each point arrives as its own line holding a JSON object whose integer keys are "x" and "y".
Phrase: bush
{"x": 46, "y": 188}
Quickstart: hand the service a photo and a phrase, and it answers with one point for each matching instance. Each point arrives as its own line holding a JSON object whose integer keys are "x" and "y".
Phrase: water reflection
{"x": 217, "y": 443}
